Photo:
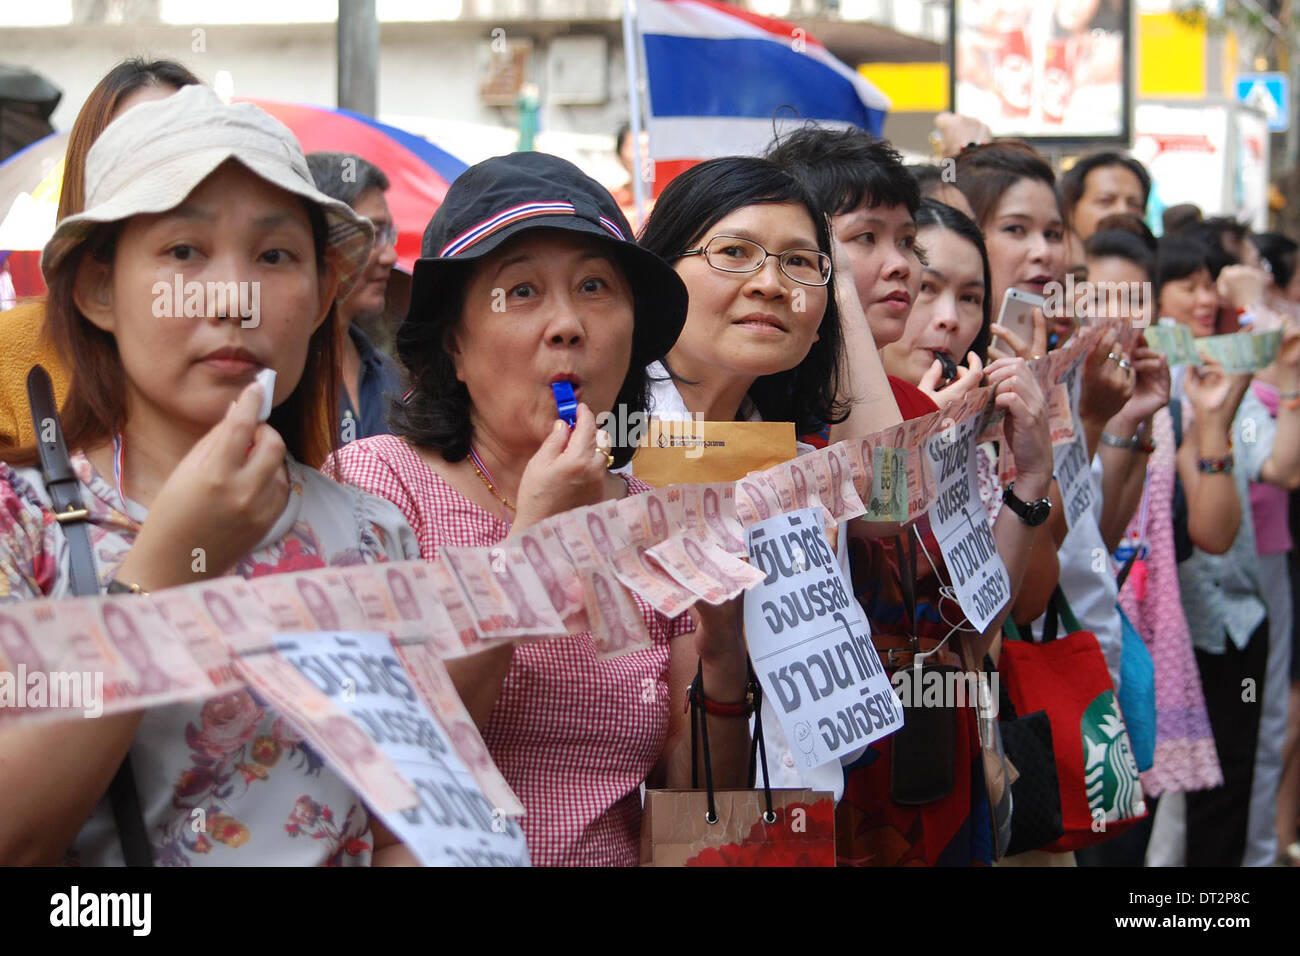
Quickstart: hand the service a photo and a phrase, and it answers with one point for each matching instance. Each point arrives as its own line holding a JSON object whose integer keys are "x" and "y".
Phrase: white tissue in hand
{"x": 266, "y": 378}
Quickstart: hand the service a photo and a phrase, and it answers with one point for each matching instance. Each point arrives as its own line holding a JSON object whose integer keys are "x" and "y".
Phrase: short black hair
{"x": 623, "y": 133}
{"x": 1121, "y": 244}
{"x": 934, "y": 213}
{"x": 1177, "y": 258}
{"x": 1279, "y": 252}
{"x": 328, "y": 171}
{"x": 704, "y": 194}
{"x": 845, "y": 168}
{"x": 1075, "y": 180}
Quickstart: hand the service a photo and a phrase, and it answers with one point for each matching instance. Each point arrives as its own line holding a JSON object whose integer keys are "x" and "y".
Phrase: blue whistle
{"x": 566, "y": 404}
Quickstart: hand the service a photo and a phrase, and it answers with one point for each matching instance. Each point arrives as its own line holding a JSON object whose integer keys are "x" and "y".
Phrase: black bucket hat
{"x": 499, "y": 198}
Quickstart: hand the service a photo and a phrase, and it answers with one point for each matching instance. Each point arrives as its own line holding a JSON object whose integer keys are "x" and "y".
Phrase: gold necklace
{"x": 484, "y": 476}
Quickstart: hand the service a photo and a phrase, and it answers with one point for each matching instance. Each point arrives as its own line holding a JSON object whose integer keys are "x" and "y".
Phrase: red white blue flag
{"x": 722, "y": 80}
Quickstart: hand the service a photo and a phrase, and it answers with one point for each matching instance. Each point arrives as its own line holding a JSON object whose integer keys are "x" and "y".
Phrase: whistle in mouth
{"x": 947, "y": 365}
{"x": 566, "y": 403}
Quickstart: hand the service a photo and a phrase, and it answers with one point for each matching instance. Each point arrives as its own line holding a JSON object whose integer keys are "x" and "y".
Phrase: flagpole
{"x": 630, "y": 58}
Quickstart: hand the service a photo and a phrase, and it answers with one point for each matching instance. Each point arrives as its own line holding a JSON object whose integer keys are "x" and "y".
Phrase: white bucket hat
{"x": 155, "y": 154}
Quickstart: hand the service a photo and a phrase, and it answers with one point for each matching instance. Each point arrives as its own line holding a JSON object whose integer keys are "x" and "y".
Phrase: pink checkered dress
{"x": 574, "y": 736}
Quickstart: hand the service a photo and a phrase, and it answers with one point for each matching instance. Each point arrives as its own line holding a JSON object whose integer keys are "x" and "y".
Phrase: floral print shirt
{"x": 224, "y": 781}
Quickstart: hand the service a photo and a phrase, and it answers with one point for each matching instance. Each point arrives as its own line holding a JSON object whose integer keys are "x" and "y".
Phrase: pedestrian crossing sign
{"x": 1269, "y": 92}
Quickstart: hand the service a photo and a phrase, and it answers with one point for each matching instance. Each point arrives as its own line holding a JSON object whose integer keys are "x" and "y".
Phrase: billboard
{"x": 1057, "y": 72}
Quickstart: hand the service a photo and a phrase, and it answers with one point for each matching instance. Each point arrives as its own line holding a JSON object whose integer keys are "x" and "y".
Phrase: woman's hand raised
{"x": 569, "y": 470}
{"x": 1026, "y": 428}
{"x": 217, "y": 505}
{"x": 967, "y": 380}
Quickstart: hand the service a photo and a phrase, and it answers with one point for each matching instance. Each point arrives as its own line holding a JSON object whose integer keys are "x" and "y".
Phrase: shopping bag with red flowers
{"x": 713, "y": 827}
{"x": 675, "y": 830}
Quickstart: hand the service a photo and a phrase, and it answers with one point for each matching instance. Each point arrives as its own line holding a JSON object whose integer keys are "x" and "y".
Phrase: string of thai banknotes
{"x": 587, "y": 570}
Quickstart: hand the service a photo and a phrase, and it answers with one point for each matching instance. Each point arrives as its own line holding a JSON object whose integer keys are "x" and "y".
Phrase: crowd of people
{"x": 825, "y": 284}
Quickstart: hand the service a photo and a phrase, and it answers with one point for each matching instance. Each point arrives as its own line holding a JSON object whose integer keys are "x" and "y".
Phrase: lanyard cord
{"x": 119, "y": 459}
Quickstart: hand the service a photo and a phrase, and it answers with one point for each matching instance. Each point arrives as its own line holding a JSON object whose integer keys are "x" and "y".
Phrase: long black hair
{"x": 932, "y": 213}
{"x": 689, "y": 207}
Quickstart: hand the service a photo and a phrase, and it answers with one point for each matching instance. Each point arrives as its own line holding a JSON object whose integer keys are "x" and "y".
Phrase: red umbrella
{"x": 418, "y": 172}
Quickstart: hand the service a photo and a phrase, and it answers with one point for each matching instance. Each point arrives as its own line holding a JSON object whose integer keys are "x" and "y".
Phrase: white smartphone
{"x": 1017, "y": 313}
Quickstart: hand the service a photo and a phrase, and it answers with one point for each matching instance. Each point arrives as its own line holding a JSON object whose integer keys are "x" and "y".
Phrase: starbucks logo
{"x": 1109, "y": 769}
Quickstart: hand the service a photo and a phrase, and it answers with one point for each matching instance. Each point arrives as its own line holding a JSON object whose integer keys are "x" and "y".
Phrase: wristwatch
{"x": 1032, "y": 513}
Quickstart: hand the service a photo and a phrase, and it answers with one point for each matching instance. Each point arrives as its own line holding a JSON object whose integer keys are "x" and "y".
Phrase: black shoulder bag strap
{"x": 69, "y": 510}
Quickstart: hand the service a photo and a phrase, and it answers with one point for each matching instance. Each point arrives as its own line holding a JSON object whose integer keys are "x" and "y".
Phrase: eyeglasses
{"x": 385, "y": 235}
{"x": 734, "y": 254}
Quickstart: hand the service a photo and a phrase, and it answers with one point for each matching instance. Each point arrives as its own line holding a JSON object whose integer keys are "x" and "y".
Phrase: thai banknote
{"x": 52, "y": 652}
{"x": 1175, "y": 342}
{"x": 550, "y": 561}
{"x": 335, "y": 735}
{"x": 164, "y": 670}
{"x": 617, "y": 624}
{"x": 432, "y": 682}
{"x": 200, "y": 637}
{"x": 704, "y": 568}
{"x": 505, "y": 598}
{"x": 1242, "y": 352}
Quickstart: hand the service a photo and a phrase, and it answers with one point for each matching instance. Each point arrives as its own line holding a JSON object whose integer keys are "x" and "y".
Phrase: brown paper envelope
{"x": 683, "y": 453}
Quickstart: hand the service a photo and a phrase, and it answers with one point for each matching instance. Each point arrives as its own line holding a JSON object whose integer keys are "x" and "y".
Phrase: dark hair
{"x": 435, "y": 413}
{"x": 845, "y": 167}
{"x": 1121, "y": 244}
{"x": 1127, "y": 222}
{"x": 97, "y": 112}
{"x": 933, "y": 213}
{"x": 327, "y": 171}
{"x": 987, "y": 171}
{"x": 928, "y": 177}
{"x": 1209, "y": 233}
{"x": 697, "y": 199}
{"x": 1177, "y": 258}
{"x": 1279, "y": 252}
{"x": 623, "y": 133}
{"x": 1075, "y": 180}
{"x": 1180, "y": 217}
{"x": 95, "y": 407}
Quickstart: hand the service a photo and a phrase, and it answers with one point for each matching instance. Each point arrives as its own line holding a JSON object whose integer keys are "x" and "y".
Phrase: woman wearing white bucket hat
{"x": 190, "y": 194}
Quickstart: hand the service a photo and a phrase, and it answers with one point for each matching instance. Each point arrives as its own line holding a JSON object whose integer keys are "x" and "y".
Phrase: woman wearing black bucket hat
{"x": 530, "y": 277}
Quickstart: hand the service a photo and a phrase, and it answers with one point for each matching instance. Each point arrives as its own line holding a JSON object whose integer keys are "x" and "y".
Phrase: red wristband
{"x": 744, "y": 708}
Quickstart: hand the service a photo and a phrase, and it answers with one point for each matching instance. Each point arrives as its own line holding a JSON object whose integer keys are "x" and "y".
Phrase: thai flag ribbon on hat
{"x": 718, "y": 77}
{"x": 505, "y": 217}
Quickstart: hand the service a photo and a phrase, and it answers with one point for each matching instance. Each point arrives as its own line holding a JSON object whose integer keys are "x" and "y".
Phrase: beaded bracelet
{"x": 1215, "y": 466}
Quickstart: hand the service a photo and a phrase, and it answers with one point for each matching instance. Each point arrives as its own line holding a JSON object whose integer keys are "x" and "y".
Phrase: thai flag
{"x": 722, "y": 80}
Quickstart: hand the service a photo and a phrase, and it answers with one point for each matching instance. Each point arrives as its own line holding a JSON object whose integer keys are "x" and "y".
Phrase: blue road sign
{"x": 1270, "y": 92}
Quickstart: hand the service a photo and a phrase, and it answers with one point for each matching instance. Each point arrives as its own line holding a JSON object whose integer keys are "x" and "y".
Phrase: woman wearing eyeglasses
{"x": 762, "y": 339}
{"x": 370, "y": 378}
